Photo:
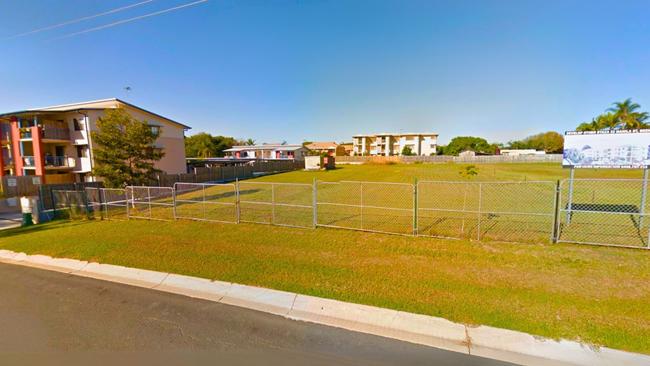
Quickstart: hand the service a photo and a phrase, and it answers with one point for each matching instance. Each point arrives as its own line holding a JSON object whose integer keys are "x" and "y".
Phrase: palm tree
{"x": 627, "y": 116}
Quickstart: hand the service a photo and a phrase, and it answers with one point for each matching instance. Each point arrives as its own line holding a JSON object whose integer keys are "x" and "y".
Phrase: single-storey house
{"x": 267, "y": 152}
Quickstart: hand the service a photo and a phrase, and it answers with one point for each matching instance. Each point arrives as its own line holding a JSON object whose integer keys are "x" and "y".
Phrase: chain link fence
{"x": 368, "y": 206}
{"x": 587, "y": 211}
{"x": 153, "y": 203}
{"x": 604, "y": 211}
{"x": 206, "y": 202}
{"x": 504, "y": 211}
{"x": 283, "y": 204}
{"x": 71, "y": 205}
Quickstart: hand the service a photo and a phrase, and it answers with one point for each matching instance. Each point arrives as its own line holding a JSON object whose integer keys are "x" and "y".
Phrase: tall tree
{"x": 623, "y": 114}
{"x": 204, "y": 145}
{"x": 469, "y": 143}
{"x": 200, "y": 145}
{"x": 125, "y": 152}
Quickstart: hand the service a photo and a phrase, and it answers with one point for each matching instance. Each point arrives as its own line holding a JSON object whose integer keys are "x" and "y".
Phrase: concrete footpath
{"x": 489, "y": 342}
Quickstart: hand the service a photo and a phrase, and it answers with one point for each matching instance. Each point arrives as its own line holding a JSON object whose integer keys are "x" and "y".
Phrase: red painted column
{"x": 39, "y": 156}
{"x": 15, "y": 147}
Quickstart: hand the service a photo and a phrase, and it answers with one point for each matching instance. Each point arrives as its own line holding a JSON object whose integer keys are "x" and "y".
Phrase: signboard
{"x": 607, "y": 149}
{"x": 12, "y": 182}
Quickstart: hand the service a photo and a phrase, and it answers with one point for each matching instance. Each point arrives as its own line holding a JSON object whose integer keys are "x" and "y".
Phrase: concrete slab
{"x": 522, "y": 348}
{"x": 19, "y": 257}
{"x": 257, "y": 298}
{"x": 7, "y": 255}
{"x": 361, "y": 318}
{"x": 55, "y": 264}
{"x": 194, "y": 287}
{"x": 126, "y": 275}
{"x": 430, "y": 331}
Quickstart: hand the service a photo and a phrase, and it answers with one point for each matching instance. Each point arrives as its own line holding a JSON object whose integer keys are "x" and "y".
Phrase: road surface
{"x": 51, "y": 316}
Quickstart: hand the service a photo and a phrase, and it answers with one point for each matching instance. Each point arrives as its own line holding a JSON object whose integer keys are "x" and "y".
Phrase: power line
{"x": 73, "y": 21}
{"x": 132, "y": 19}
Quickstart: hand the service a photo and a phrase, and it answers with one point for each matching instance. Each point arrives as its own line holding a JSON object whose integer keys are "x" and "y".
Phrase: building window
{"x": 81, "y": 152}
{"x": 78, "y": 126}
{"x": 155, "y": 129}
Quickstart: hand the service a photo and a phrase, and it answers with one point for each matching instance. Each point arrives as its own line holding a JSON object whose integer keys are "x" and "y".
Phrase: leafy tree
{"x": 125, "y": 152}
{"x": 604, "y": 121}
{"x": 406, "y": 151}
{"x": 551, "y": 142}
{"x": 199, "y": 146}
{"x": 465, "y": 143}
{"x": 204, "y": 145}
{"x": 249, "y": 142}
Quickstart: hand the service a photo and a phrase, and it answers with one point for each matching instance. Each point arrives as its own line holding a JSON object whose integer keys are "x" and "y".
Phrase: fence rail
{"x": 584, "y": 211}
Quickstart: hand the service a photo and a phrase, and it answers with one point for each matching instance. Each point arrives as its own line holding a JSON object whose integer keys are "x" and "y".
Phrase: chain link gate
{"x": 206, "y": 202}
{"x": 604, "y": 212}
{"x": 283, "y": 204}
{"x": 114, "y": 203}
{"x": 381, "y": 207}
{"x": 153, "y": 203}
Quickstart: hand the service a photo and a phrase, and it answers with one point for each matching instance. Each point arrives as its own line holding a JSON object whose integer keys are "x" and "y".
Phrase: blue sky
{"x": 299, "y": 70}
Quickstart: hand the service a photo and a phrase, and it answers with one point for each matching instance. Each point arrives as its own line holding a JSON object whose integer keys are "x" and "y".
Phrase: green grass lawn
{"x": 595, "y": 294}
{"x": 448, "y": 171}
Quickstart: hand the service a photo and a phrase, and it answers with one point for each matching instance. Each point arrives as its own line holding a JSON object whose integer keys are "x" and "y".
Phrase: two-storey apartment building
{"x": 388, "y": 144}
{"x": 56, "y": 142}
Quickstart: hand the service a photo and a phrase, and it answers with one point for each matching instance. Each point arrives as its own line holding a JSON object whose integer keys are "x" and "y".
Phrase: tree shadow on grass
{"x": 41, "y": 227}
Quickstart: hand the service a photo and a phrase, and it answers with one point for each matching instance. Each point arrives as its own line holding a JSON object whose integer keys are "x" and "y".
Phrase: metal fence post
{"x": 644, "y": 193}
{"x": 555, "y": 231}
{"x": 149, "y": 201}
{"x": 480, "y": 203}
{"x": 53, "y": 203}
{"x": 174, "y": 201}
{"x": 237, "y": 202}
{"x": 126, "y": 199}
{"x": 570, "y": 198}
{"x": 415, "y": 207}
{"x": 361, "y": 202}
{"x": 272, "y": 203}
{"x": 314, "y": 203}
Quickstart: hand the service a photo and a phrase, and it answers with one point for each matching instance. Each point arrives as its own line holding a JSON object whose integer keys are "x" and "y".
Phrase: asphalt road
{"x": 48, "y": 318}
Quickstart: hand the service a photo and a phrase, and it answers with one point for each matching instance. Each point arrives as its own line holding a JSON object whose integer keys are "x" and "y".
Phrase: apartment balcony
{"x": 56, "y": 133}
{"x": 48, "y": 133}
{"x": 51, "y": 162}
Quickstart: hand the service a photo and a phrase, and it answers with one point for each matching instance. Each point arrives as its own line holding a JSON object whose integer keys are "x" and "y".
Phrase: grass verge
{"x": 597, "y": 295}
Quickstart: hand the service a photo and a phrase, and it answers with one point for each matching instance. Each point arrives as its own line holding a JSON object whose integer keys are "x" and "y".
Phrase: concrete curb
{"x": 489, "y": 342}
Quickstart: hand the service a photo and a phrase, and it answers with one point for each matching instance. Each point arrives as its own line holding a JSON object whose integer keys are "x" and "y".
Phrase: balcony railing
{"x": 28, "y": 161}
{"x": 50, "y": 161}
{"x": 56, "y": 133}
{"x": 50, "y": 133}
{"x": 56, "y": 161}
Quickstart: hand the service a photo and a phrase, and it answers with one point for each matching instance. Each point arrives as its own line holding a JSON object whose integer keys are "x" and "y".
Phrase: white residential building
{"x": 388, "y": 144}
{"x": 267, "y": 152}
